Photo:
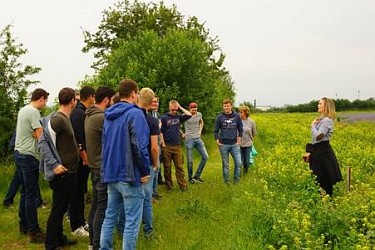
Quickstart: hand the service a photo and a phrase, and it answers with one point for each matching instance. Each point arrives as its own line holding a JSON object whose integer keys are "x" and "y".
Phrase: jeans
{"x": 122, "y": 195}
{"x": 156, "y": 177}
{"x": 14, "y": 185}
{"x": 28, "y": 170}
{"x": 234, "y": 150}
{"x": 199, "y": 145}
{"x": 63, "y": 187}
{"x": 97, "y": 211}
{"x": 245, "y": 157}
{"x": 147, "y": 216}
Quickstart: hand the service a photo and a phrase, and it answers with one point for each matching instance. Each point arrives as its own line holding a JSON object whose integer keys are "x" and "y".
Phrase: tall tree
{"x": 14, "y": 81}
{"x": 154, "y": 45}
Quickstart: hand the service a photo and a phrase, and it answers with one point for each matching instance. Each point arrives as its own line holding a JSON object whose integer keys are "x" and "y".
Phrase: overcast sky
{"x": 277, "y": 51}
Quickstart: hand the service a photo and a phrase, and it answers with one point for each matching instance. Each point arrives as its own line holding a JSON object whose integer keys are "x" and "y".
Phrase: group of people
{"x": 121, "y": 144}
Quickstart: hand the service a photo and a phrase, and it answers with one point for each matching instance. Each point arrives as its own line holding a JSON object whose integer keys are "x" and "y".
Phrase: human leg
{"x": 147, "y": 215}
{"x": 225, "y": 161}
{"x": 189, "y": 144}
{"x": 62, "y": 187}
{"x": 203, "y": 152}
{"x": 236, "y": 155}
{"x": 115, "y": 203}
{"x": 167, "y": 162}
{"x": 180, "y": 174}
{"x": 133, "y": 197}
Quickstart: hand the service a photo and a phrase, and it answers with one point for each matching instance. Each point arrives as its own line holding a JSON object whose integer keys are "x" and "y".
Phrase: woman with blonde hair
{"x": 319, "y": 153}
{"x": 249, "y": 131}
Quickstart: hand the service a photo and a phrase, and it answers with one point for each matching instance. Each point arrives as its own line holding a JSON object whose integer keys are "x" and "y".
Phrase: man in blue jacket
{"x": 126, "y": 165}
{"x": 228, "y": 133}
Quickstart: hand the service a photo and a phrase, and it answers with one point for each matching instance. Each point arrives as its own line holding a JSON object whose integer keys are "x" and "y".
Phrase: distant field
{"x": 276, "y": 206}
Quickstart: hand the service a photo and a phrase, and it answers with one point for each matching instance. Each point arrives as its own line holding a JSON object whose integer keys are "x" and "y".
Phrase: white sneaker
{"x": 80, "y": 232}
{"x": 86, "y": 227}
{"x": 91, "y": 247}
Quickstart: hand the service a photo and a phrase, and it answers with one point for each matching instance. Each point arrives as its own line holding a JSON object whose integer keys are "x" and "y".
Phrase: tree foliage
{"x": 14, "y": 81}
{"x": 155, "y": 46}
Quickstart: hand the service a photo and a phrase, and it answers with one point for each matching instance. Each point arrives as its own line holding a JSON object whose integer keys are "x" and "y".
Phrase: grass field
{"x": 275, "y": 206}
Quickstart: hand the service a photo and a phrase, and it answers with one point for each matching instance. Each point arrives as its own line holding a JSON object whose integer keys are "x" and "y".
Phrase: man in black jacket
{"x": 77, "y": 204}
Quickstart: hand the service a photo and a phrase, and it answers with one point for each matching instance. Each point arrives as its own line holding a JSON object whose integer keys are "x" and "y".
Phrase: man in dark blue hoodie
{"x": 228, "y": 133}
{"x": 126, "y": 165}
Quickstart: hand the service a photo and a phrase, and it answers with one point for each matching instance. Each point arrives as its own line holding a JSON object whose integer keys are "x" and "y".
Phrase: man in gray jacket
{"x": 93, "y": 131}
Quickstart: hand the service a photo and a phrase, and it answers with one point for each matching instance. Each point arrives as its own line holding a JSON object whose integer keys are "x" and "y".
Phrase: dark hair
{"x": 38, "y": 93}
{"x": 86, "y": 92}
{"x": 66, "y": 95}
{"x": 103, "y": 92}
{"x": 126, "y": 87}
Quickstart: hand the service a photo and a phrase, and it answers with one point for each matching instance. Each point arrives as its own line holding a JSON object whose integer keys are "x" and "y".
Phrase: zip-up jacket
{"x": 125, "y": 139}
{"x": 50, "y": 158}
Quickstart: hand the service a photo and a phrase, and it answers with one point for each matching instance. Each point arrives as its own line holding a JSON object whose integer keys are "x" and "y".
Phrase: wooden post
{"x": 348, "y": 177}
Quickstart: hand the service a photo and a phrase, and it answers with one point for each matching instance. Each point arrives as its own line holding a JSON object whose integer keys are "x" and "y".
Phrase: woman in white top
{"x": 249, "y": 131}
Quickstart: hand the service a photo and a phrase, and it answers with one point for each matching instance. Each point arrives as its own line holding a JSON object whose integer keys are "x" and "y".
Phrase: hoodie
{"x": 125, "y": 140}
{"x": 93, "y": 133}
{"x": 227, "y": 128}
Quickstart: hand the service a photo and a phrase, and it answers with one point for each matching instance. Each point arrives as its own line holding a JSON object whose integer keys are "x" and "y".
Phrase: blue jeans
{"x": 147, "y": 216}
{"x": 234, "y": 150}
{"x": 156, "y": 176}
{"x": 28, "y": 170}
{"x": 245, "y": 157}
{"x": 199, "y": 145}
{"x": 122, "y": 195}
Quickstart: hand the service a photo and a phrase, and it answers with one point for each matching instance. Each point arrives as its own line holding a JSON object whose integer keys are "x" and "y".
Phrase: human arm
{"x": 185, "y": 111}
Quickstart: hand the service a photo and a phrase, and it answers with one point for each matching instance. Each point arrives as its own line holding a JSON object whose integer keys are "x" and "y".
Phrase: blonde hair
{"x": 329, "y": 108}
{"x": 146, "y": 95}
{"x": 245, "y": 109}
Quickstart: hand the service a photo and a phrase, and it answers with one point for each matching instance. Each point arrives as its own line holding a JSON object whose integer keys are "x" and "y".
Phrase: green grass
{"x": 204, "y": 217}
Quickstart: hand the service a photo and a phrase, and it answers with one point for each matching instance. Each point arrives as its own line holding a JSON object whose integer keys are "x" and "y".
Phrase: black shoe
{"x": 37, "y": 237}
{"x": 157, "y": 197}
{"x": 198, "y": 179}
{"x": 192, "y": 180}
{"x": 67, "y": 242}
{"x": 8, "y": 204}
{"x": 23, "y": 230}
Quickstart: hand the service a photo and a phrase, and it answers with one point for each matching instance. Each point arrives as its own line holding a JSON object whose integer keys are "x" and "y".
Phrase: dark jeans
{"x": 28, "y": 171}
{"x": 245, "y": 157}
{"x": 14, "y": 185}
{"x": 77, "y": 203}
{"x": 97, "y": 211}
{"x": 62, "y": 187}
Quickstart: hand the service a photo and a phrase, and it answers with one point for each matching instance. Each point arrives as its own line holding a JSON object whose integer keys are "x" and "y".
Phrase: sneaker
{"x": 157, "y": 197}
{"x": 80, "y": 232}
{"x": 86, "y": 227}
{"x": 42, "y": 204}
{"x": 149, "y": 236}
{"x": 37, "y": 237}
{"x": 192, "y": 180}
{"x": 91, "y": 247}
{"x": 198, "y": 179}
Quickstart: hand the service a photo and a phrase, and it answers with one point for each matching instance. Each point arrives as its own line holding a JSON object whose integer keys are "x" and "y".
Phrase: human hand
{"x": 306, "y": 157}
{"x": 145, "y": 179}
{"x": 60, "y": 169}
